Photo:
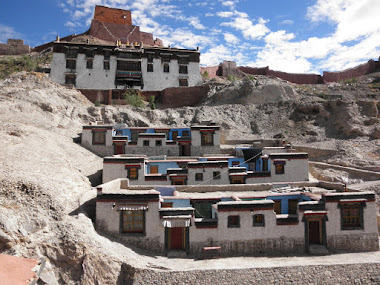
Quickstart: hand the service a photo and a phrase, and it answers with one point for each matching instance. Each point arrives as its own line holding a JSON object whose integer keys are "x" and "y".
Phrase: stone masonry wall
{"x": 366, "y": 273}
{"x": 353, "y": 243}
{"x": 14, "y": 47}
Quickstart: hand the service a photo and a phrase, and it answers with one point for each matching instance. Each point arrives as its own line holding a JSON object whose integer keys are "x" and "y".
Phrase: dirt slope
{"x": 44, "y": 174}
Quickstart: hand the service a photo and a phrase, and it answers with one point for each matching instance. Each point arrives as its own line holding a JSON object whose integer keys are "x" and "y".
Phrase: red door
{"x": 176, "y": 238}
{"x": 119, "y": 149}
{"x": 314, "y": 234}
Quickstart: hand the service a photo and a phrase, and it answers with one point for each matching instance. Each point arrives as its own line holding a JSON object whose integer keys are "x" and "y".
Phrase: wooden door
{"x": 177, "y": 238}
{"x": 292, "y": 206}
{"x": 314, "y": 232}
{"x": 120, "y": 149}
{"x": 277, "y": 207}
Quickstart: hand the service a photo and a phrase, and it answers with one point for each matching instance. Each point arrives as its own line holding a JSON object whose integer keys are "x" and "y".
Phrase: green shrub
{"x": 97, "y": 104}
{"x": 231, "y": 78}
{"x": 350, "y": 81}
{"x": 152, "y": 102}
{"x": 133, "y": 98}
{"x": 205, "y": 75}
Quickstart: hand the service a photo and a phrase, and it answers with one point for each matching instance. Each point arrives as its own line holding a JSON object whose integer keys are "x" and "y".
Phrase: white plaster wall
{"x": 196, "y": 138}
{"x": 113, "y": 171}
{"x": 295, "y": 170}
{"x": 246, "y": 230}
{"x": 159, "y": 80}
{"x": 58, "y": 68}
{"x": 333, "y": 225}
{"x": 108, "y": 219}
{"x": 101, "y": 150}
{"x": 208, "y": 176}
{"x": 170, "y": 150}
{"x": 95, "y": 78}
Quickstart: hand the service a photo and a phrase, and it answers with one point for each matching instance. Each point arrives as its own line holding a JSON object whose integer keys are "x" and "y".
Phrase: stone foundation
{"x": 353, "y": 243}
{"x": 366, "y": 273}
{"x": 254, "y": 247}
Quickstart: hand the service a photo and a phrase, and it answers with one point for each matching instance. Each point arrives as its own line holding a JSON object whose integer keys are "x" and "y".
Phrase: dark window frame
{"x": 346, "y": 212}
{"x": 124, "y": 213}
{"x": 158, "y": 143}
{"x": 279, "y": 168}
{"x": 149, "y": 67}
{"x": 129, "y": 173}
{"x": 183, "y": 82}
{"x": 71, "y": 63}
{"x": 89, "y": 63}
{"x": 106, "y": 65}
{"x": 96, "y": 140}
{"x": 258, "y": 220}
{"x": 216, "y": 175}
{"x": 233, "y": 221}
{"x": 70, "y": 79}
{"x": 146, "y": 142}
{"x": 166, "y": 67}
{"x": 198, "y": 176}
{"x": 183, "y": 69}
{"x": 205, "y": 141}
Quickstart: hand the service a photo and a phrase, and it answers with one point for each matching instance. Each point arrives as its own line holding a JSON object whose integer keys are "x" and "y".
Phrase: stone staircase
{"x": 177, "y": 254}
{"x": 318, "y": 249}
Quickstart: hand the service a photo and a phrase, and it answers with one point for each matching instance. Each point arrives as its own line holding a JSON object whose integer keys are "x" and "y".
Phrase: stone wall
{"x": 101, "y": 96}
{"x": 183, "y": 96}
{"x": 14, "y": 47}
{"x": 112, "y": 15}
{"x": 353, "y": 243}
{"x": 354, "y": 72}
{"x": 366, "y": 273}
{"x": 213, "y": 71}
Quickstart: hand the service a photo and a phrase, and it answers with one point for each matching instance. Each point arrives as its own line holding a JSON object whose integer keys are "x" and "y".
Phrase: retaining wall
{"x": 14, "y": 47}
{"x": 213, "y": 71}
{"x": 365, "y": 273}
{"x": 183, "y": 96}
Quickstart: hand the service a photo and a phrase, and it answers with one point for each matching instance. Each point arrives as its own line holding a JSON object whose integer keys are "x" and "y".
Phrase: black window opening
{"x": 71, "y": 63}
{"x": 198, "y": 176}
{"x": 128, "y": 66}
{"x": 183, "y": 60}
{"x": 207, "y": 139}
{"x": 89, "y": 63}
{"x": 149, "y": 67}
{"x": 183, "y": 82}
{"x": 107, "y": 54}
{"x": 71, "y": 53}
{"x": 166, "y": 67}
{"x": 150, "y": 57}
{"x": 183, "y": 69}
{"x": 233, "y": 221}
{"x": 70, "y": 79}
{"x": 158, "y": 142}
{"x": 99, "y": 137}
{"x": 133, "y": 173}
{"x": 145, "y": 142}
{"x": 258, "y": 220}
{"x": 216, "y": 175}
{"x": 106, "y": 65}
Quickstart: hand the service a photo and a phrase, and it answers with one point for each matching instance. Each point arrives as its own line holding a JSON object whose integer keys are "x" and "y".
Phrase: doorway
{"x": 184, "y": 150}
{"x": 176, "y": 239}
{"x": 315, "y": 232}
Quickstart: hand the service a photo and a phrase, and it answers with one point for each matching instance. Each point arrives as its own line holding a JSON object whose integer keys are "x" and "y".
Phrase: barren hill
{"x": 45, "y": 175}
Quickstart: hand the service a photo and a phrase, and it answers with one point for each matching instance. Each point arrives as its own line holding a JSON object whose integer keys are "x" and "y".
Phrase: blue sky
{"x": 306, "y": 36}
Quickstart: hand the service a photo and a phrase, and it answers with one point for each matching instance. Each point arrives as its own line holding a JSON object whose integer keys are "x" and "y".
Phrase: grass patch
{"x": 133, "y": 98}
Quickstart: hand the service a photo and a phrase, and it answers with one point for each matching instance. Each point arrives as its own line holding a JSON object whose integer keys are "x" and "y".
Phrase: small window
{"x": 183, "y": 82}
{"x": 149, "y": 67}
{"x": 185, "y": 133}
{"x": 234, "y": 221}
{"x": 98, "y": 137}
{"x": 72, "y": 53}
{"x": 216, "y": 175}
{"x": 106, "y": 65}
{"x": 207, "y": 138}
{"x": 133, "y": 222}
{"x": 351, "y": 216}
{"x": 183, "y": 60}
{"x": 70, "y": 79}
{"x": 174, "y": 135}
{"x": 145, "y": 142}
{"x": 198, "y": 176}
{"x": 107, "y": 54}
{"x": 71, "y": 63}
{"x": 90, "y": 63}
{"x": 150, "y": 57}
{"x": 183, "y": 69}
{"x": 258, "y": 220}
{"x": 280, "y": 168}
{"x": 158, "y": 142}
{"x": 237, "y": 180}
{"x": 166, "y": 67}
{"x": 235, "y": 163}
{"x": 133, "y": 173}
{"x": 153, "y": 169}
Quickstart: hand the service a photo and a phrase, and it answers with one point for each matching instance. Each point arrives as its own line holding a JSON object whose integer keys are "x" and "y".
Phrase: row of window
{"x": 134, "y": 221}
{"x": 147, "y": 142}
{"x": 199, "y": 176}
{"x": 166, "y": 68}
{"x": 71, "y": 64}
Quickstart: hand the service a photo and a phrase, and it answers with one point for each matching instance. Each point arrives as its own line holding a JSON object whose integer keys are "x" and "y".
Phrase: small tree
{"x": 152, "y": 103}
{"x": 205, "y": 75}
{"x": 133, "y": 98}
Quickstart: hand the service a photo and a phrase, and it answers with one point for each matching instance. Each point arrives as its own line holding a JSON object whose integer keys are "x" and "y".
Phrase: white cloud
{"x": 217, "y": 54}
{"x": 7, "y": 32}
{"x": 248, "y": 29}
{"x": 228, "y": 3}
{"x": 225, "y": 14}
{"x": 287, "y": 22}
{"x": 230, "y": 38}
{"x": 194, "y": 21}
{"x": 279, "y": 37}
{"x": 185, "y": 38}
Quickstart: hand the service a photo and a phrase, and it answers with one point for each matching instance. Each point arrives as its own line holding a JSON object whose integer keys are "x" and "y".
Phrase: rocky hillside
{"x": 45, "y": 175}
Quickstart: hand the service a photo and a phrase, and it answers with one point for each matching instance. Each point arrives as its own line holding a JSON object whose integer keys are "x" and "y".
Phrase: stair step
{"x": 318, "y": 249}
{"x": 177, "y": 254}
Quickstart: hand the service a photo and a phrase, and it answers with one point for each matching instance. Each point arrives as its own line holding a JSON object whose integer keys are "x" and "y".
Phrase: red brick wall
{"x": 213, "y": 71}
{"x": 102, "y": 96}
{"x": 298, "y": 78}
{"x": 183, "y": 96}
{"x": 354, "y": 72}
{"x": 112, "y": 15}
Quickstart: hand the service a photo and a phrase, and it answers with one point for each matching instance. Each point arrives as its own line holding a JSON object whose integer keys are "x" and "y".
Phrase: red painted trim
{"x": 315, "y": 214}
{"x": 124, "y": 200}
{"x": 206, "y": 227}
{"x": 211, "y": 166}
{"x": 99, "y": 130}
{"x": 287, "y": 224}
{"x": 244, "y": 209}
